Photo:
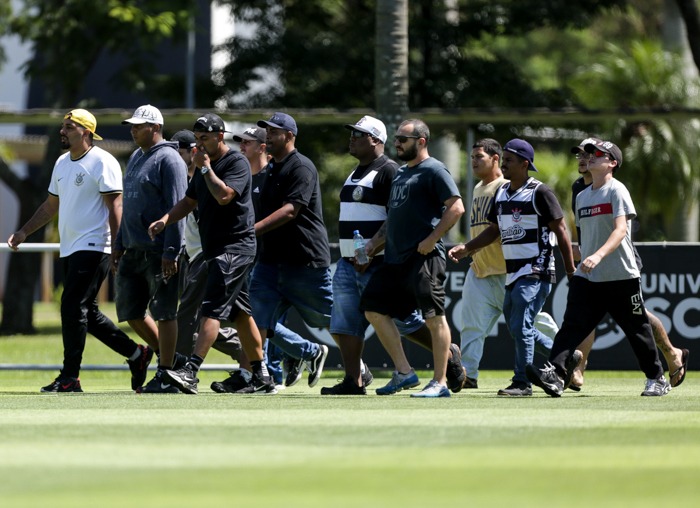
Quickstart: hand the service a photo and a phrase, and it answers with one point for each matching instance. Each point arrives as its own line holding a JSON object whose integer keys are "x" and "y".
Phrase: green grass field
{"x": 606, "y": 446}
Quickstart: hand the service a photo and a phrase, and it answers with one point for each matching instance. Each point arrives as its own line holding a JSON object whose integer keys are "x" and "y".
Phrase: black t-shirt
{"x": 258, "y": 183}
{"x": 231, "y": 227}
{"x": 303, "y": 240}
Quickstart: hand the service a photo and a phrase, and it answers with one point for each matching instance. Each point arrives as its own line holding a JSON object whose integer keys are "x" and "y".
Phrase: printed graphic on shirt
{"x": 592, "y": 211}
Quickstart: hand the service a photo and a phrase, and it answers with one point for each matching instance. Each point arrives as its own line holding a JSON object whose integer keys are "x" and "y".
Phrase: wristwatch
{"x": 205, "y": 170}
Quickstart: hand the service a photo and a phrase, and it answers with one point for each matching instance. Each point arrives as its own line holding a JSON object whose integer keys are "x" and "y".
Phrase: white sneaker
{"x": 656, "y": 387}
{"x": 433, "y": 390}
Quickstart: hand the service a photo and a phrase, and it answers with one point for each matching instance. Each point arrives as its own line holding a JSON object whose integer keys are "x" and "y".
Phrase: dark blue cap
{"x": 523, "y": 149}
{"x": 280, "y": 121}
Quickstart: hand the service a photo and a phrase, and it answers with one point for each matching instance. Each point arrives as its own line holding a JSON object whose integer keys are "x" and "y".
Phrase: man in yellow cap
{"x": 86, "y": 192}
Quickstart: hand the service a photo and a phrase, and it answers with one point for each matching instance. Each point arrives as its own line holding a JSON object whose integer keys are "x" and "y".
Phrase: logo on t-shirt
{"x": 592, "y": 211}
{"x": 79, "y": 179}
{"x": 399, "y": 195}
{"x": 357, "y": 193}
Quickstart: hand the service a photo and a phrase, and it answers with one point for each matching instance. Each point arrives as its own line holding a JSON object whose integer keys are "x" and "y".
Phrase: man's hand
{"x": 155, "y": 228}
{"x": 458, "y": 252}
{"x": 15, "y": 239}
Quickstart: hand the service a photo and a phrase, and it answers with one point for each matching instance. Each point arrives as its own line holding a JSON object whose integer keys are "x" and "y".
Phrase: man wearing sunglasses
{"x": 606, "y": 281}
{"x": 676, "y": 358}
{"x": 424, "y": 204}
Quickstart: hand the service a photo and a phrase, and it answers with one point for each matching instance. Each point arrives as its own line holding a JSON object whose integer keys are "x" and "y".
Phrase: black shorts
{"x": 397, "y": 290}
{"x": 226, "y": 291}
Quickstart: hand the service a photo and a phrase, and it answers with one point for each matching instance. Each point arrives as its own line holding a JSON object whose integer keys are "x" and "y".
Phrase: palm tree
{"x": 391, "y": 62}
{"x": 659, "y": 166}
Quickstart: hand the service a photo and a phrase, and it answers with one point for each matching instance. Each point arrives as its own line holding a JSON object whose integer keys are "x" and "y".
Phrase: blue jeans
{"x": 346, "y": 316}
{"x": 523, "y": 300}
{"x": 276, "y": 288}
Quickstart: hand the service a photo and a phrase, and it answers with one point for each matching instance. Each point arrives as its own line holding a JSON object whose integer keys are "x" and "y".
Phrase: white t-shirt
{"x": 83, "y": 218}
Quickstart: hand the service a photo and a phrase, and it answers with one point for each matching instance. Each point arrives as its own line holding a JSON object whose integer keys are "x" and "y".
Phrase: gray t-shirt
{"x": 416, "y": 204}
{"x": 596, "y": 210}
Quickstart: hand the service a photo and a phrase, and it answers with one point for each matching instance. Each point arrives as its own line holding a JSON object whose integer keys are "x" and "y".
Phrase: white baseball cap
{"x": 145, "y": 114}
{"x": 370, "y": 125}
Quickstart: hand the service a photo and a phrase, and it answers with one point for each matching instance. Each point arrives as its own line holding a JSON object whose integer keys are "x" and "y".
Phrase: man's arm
{"x": 46, "y": 211}
{"x": 287, "y": 212}
{"x": 454, "y": 209}
{"x": 113, "y": 202}
{"x": 484, "y": 239}
{"x": 221, "y": 192}
{"x": 558, "y": 226}
{"x": 176, "y": 213}
{"x": 612, "y": 243}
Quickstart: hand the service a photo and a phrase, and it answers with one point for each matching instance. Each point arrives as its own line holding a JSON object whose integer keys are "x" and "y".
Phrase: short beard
{"x": 408, "y": 154}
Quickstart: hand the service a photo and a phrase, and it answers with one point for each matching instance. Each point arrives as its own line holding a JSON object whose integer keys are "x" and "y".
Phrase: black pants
{"x": 83, "y": 273}
{"x": 587, "y": 304}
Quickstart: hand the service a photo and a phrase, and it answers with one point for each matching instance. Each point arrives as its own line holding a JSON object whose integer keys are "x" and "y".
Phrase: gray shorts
{"x": 140, "y": 287}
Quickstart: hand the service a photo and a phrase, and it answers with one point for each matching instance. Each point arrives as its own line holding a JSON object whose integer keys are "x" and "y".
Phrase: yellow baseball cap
{"x": 85, "y": 119}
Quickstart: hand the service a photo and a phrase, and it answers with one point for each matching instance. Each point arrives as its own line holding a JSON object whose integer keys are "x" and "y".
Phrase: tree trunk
{"x": 24, "y": 269}
{"x": 391, "y": 63}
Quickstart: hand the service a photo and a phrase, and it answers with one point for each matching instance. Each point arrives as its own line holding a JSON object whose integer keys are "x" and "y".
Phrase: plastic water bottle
{"x": 359, "y": 243}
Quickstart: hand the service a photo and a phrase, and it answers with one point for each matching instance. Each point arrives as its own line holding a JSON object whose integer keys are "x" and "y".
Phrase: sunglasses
{"x": 358, "y": 134}
{"x": 585, "y": 155}
{"x": 403, "y": 139}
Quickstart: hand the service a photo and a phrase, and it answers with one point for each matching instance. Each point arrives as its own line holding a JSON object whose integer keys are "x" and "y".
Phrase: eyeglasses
{"x": 358, "y": 134}
{"x": 403, "y": 139}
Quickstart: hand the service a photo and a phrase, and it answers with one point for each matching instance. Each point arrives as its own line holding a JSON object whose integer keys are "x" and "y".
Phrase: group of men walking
{"x": 256, "y": 245}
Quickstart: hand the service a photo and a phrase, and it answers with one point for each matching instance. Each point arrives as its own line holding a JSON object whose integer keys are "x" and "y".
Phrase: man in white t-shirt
{"x": 86, "y": 192}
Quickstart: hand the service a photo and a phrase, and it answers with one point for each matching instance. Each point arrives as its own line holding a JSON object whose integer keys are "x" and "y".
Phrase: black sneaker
{"x": 259, "y": 386}
{"x": 516, "y": 389}
{"x": 456, "y": 373}
{"x": 471, "y": 383}
{"x": 346, "y": 387}
{"x": 179, "y": 361}
{"x": 315, "y": 365}
{"x": 159, "y": 385}
{"x": 139, "y": 367}
{"x": 63, "y": 385}
{"x": 294, "y": 367}
{"x": 573, "y": 361}
{"x": 185, "y": 379}
{"x": 236, "y": 381}
{"x": 367, "y": 376}
{"x": 546, "y": 378}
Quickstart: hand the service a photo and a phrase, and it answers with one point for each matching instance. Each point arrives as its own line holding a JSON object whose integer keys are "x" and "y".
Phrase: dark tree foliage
{"x": 322, "y": 52}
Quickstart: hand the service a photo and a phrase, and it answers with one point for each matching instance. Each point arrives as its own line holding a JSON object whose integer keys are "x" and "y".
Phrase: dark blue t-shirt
{"x": 416, "y": 205}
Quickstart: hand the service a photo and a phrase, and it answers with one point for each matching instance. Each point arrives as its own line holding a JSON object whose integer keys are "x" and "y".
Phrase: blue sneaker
{"x": 399, "y": 382}
{"x": 433, "y": 390}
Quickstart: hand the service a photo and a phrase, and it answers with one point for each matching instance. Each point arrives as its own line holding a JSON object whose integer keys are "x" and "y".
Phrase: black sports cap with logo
{"x": 252, "y": 134}
{"x": 209, "y": 123}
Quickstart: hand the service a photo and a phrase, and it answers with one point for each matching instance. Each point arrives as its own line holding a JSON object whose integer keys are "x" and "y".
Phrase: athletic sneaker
{"x": 63, "y": 385}
{"x": 139, "y": 367}
{"x": 456, "y": 373}
{"x": 185, "y": 379}
{"x": 471, "y": 383}
{"x": 294, "y": 368}
{"x": 259, "y": 386}
{"x": 315, "y": 365}
{"x": 399, "y": 382}
{"x": 346, "y": 387}
{"x": 367, "y": 376}
{"x": 159, "y": 385}
{"x": 237, "y": 380}
{"x": 546, "y": 378}
{"x": 433, "y": 390}
{"x": 571, "y": 363}
{"x": 656, "y": 387}
{"x": 516, "y": 389}
{"x": 179, "y": 361}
